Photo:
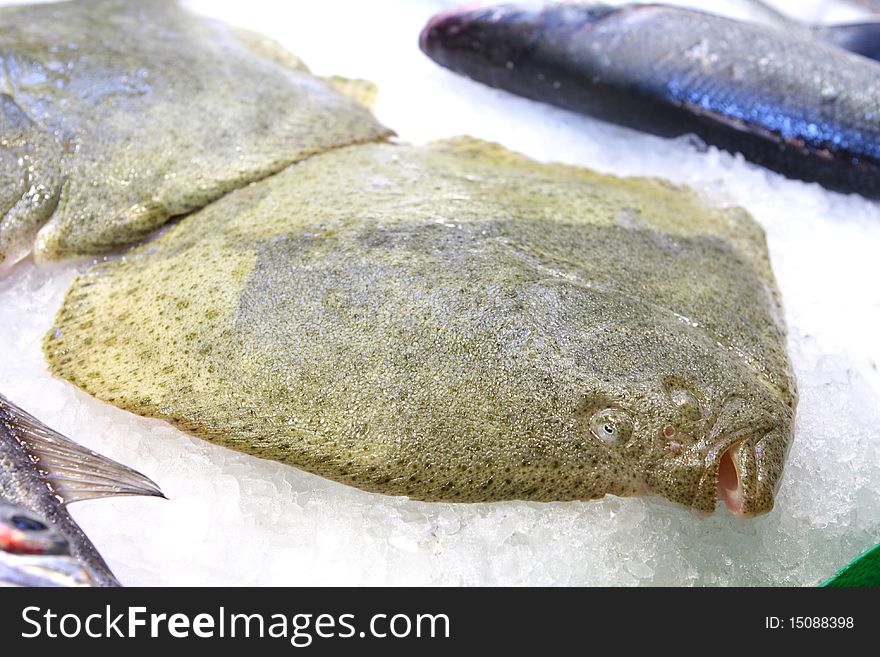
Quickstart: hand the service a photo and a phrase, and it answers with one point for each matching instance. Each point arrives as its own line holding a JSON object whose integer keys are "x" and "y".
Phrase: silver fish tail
{"x": 41, "y": 472}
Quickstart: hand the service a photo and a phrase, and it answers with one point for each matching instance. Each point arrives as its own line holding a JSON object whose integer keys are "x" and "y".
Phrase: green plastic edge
{"x": 862, "y": 572}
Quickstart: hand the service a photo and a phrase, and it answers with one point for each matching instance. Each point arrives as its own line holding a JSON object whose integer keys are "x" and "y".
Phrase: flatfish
{"x": 117, "y": 115}
{"x": 455, "y": 322}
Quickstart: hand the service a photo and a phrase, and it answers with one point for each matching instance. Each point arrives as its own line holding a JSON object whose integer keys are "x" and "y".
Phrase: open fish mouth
{"x": 729, "y": 482}
{"x": 744, "y": 474}
{"x": 744, "y": 454}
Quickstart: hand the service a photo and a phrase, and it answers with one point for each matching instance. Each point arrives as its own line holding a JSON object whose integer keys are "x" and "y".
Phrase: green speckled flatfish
{"x": 117, "y": 115}
{"x": 454, "y": 322}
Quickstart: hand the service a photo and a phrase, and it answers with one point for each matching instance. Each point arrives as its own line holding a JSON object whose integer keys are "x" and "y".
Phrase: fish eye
{"x": 612, "y": 426}
{"x": 27, "y": 524}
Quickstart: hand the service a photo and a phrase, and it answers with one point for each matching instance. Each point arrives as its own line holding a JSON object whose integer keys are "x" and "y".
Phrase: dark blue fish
{"x": 860, "y": 38}
{"x": 783, "y": 99}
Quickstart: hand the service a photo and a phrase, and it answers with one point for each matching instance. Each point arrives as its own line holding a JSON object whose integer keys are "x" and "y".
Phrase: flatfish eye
{"x": 27, "y": 524}
{"x": 612, "y": 426}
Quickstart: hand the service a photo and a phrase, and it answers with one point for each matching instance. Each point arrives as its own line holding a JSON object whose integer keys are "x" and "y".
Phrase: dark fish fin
{"x": 770, "y": 15}
{"x": 73, "y": 472}
{"x": 860, "y": 38}
{"x": 732, "y": 122}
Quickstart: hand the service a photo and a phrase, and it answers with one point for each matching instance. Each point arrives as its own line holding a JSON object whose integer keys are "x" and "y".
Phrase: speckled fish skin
{"x": 453, "y": 322}
{"x": 30, "y": 181}
{"x": 783, "y": 99}
{"x": 134, "y": 112}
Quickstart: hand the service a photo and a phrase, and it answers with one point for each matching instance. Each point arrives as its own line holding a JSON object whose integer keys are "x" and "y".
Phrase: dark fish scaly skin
{"x": 788, "y": 102}
{"x": 42, "y": 471}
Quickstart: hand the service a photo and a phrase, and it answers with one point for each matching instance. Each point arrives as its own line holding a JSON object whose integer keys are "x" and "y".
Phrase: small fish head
{"x": 689, "y": 419}
{"x": 24, "y": 532}
{"x": 500, "y": 36}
